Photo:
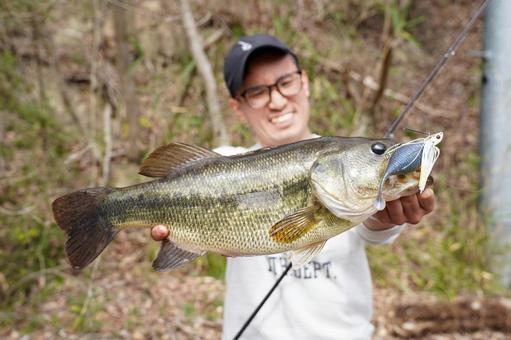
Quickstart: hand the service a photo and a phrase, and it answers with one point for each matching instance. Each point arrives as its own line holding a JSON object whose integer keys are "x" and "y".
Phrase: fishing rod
{"x": 245, "y": 325}
{"x": 451, "y": 51}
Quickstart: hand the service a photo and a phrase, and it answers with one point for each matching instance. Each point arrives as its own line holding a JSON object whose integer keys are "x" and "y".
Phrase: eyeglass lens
{"x": 288, "y": 85}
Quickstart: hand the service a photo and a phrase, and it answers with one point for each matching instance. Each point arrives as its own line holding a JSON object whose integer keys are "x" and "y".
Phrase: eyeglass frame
{"x": 270, "y": 87}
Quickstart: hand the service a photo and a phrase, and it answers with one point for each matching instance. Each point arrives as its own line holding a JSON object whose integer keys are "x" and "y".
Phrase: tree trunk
{"x": 126, "y": 84}
{"x": 206, "y": 72}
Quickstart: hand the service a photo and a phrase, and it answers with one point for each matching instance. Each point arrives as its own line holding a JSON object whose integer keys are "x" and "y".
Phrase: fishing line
{"x": 450, "y": 52}
{"x": 417, "y": 131}
{"x": 390, "y": 132}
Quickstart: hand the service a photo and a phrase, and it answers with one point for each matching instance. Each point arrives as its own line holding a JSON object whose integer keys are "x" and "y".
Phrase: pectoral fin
{"x": 295, "y": 225}
{"x": 171, "y": 256}
{"x": 302, "y": 256}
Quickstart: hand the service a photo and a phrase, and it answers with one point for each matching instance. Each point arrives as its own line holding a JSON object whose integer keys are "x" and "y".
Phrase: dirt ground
{"x": 122, "y": 298}
{"x": 422, "y": 316}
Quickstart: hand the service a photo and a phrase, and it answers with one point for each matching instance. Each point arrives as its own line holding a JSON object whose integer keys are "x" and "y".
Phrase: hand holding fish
{"x": 408, "y": 209}
{"x": 159, "y": 232}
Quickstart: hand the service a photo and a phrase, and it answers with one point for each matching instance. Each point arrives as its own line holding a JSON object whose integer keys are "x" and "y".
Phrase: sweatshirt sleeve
{"x": 378, "y": 237}
{"x": 227, "y": 150}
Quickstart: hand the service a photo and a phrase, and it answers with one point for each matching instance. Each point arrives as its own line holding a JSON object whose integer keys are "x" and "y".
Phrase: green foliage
{"x": 189, "y": 310}
{"x": 331, "y": 112}
{"x": 10, "y": 81}
{"x": 139, "y": 53}
{"x": 216, "y": 265}
{"x": 401, "y": 23}
{"x": 211, "y": 265}
{"x": 447, "y": 260}
{"x": 31, "y": 244}
{"x": 12, "y": 10}
{"x": 238, "y": 31}
{"x": 449, "y": 254}
{"x": 84, "y": 308}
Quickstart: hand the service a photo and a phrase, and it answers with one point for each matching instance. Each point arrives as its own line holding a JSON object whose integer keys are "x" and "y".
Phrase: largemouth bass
{"x": 288, "y": 198}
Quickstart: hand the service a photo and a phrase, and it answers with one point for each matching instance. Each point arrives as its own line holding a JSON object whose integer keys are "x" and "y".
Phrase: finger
{"x": 382, "y": 216}
{"x": 159, "y": 232}
{"x": 427, "y": 200}
{"x": 395, "y": 209}
{"x": 412, "y": 209}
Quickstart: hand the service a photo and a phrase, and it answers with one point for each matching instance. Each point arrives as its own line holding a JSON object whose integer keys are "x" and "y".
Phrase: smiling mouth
{"x": 283, "y": 118}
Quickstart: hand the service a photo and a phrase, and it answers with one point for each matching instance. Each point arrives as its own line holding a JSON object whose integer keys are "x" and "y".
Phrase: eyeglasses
{"x": 288, "y": 85}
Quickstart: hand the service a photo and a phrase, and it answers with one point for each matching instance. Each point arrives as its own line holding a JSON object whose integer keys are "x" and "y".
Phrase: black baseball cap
{"x": 236, "y": 60}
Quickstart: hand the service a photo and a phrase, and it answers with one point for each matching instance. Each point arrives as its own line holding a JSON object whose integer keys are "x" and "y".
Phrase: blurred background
{"x": 89, "y": 88}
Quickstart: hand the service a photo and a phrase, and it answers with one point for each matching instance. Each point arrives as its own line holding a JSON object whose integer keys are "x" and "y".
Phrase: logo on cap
{"x": 245, "y": 46}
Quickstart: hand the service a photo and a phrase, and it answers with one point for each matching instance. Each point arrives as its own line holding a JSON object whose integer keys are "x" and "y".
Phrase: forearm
{"x": 383, "y": 236}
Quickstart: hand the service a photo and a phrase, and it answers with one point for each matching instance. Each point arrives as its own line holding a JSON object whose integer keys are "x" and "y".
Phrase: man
{"x": 331, "y": 297}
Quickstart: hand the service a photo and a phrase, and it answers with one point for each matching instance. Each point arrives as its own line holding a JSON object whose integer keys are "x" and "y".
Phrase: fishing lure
{"x": 406, "y": 157}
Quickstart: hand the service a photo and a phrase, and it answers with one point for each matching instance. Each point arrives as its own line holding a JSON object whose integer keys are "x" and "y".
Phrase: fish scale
{"x": 230, "y": 217}
{"x": 264, "y": 202}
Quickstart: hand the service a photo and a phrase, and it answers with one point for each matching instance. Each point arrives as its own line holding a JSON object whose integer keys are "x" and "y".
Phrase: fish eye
{"x": 378, "y": 148}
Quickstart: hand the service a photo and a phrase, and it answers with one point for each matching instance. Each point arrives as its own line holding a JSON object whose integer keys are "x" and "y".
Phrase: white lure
{"x": 430, "y": 154}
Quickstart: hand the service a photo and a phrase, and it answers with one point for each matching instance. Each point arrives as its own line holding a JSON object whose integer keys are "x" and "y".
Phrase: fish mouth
{"x": 404, "y": 185}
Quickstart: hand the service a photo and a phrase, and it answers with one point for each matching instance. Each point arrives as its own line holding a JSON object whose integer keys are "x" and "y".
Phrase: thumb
{"x": 159, "y": 232}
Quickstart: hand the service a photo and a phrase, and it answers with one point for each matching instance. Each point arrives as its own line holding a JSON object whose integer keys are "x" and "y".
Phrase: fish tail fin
{"x": 88, "y": 233}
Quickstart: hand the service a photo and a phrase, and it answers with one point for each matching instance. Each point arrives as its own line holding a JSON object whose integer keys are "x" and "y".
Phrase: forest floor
{"x": 122, "y": 298}
{"x": 119, "y": 296}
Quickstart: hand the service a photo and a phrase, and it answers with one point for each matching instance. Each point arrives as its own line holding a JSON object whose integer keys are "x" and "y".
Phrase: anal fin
{"x": 171, "y": 256}
{"x": 301, "y": 256}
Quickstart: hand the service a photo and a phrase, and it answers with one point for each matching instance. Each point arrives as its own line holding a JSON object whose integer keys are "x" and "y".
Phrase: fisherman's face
{"x": 284, "y": 119}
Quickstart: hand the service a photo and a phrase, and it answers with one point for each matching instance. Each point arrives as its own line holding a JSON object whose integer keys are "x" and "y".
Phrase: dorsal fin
{"x": 169, "y": 157}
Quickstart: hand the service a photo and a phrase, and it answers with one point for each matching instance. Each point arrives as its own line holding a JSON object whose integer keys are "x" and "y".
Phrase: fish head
{"x": 347, "y": 181}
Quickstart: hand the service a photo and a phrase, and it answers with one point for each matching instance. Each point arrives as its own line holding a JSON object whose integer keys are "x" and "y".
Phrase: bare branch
{"x": 370, "y": 83}
{"x": 190, "y": 70}
{"x": 213, "y": 38}
{"x": 387, "y": 39}
{"x": 206, "y": 72}
{"x": 107, "y": 133}
{"x": 93, "y": 79}
{"x": 141, "y": 9}
{"x": 12, "y": 212}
